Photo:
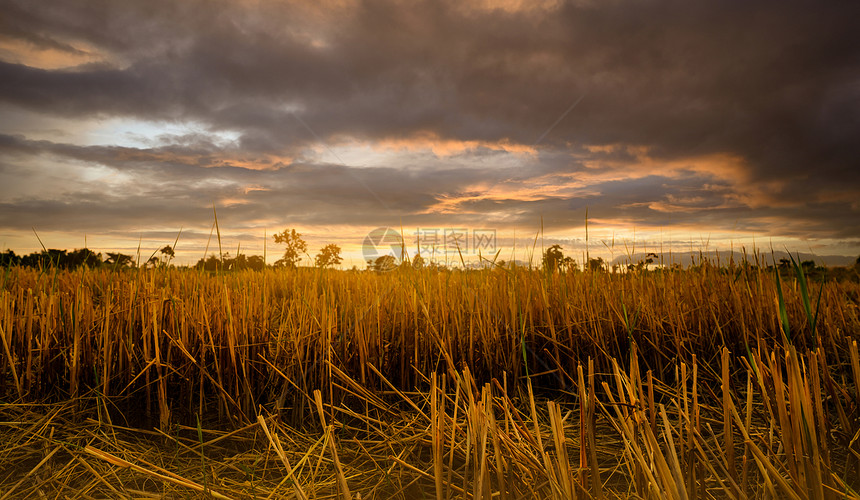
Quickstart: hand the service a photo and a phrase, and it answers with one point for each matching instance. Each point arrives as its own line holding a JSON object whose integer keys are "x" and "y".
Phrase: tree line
{"x": 295, "y": 250}
{"x": 554, "y": 260}
{"x": 329, "y": 256}
{"x": 64, "y": 259}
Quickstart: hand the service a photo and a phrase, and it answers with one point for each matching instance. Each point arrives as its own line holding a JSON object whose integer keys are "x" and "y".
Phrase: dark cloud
{"x": 774, "y": 86}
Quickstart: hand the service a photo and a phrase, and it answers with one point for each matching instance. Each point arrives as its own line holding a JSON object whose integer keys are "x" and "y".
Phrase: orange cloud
{"x": 731, "y": 169}
{"x": 28, "y": 54}
{"x": 231, "y": 202}
{"x": 446, "y": 147}
{"x": 263, "y": 162}
{"x": 229, "y": 159}
{"x": 242, "y": 200}
{"x": 510, "y": 6}
{"x": 534, "y": 189}
{"x": 721, "y": 165}
{"x": 731, "y": 174}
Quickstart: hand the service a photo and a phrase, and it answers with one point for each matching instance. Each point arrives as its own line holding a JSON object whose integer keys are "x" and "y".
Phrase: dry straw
{"x": 714, "y": 382}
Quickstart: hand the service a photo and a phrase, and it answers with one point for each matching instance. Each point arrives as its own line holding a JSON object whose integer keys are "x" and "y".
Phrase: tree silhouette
{"x": 210, "y": 263}
{"x": 9, "y": 259}
{"x": 596, "y": 264}
{"x": 329, "y": 256}
{"x": 167, "y": 254}
{"x": 83, "y": 257}
{"x": 642, "y": 265}
{"x": 552, "y": 258}
{"x": 382, "y": 263}
{"x": 119, "y": 260}
{"x": 238, "y": 263}
{"x": 295, "y": 247}
{"x": 254, "y": 262}
{"x": 61, "y": 259}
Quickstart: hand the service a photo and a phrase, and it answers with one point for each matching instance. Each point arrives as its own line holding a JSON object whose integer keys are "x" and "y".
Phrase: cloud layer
{"x": 706, "y": 116}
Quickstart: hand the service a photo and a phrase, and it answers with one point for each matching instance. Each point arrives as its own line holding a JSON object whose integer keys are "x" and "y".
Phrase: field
{"x": 711, "y": 382}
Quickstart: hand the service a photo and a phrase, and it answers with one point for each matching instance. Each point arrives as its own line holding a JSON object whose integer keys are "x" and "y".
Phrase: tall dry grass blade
{"x": 748, "y": 426}
{"x": 596, "y": 482}
{"x": 728, "y": 434}
{"x": 483, "y": 483}
{"x": 218, "y": 232}
{"x": 785, "y": 424}
{"x": 855, "y": 366}
{"x": 283, "y": 457}
{"x": 653, "y": 469}
{"x": 533, "y": 409}
{"x": 562, "y": 465}
{"x": 583, "y": 429}
{"x": 498, "y": 455}
{"x": 454, "y": 429}
{"x": 11, "y": 361}
{"x": 652, "y": 414}
{"x": 767, "y": 469}
{"x": 673, "y": 461}
{"x": 437, "y": 422}
{"x": 796, "y": 417}
{"x": 696, "y": 471}
{"x": 823, "y": 423}
{"x": 685, "y": 432}
{"x": 807, "y": 429}
{"x": 163, "y": 404}
{"x": 341, "y": 479}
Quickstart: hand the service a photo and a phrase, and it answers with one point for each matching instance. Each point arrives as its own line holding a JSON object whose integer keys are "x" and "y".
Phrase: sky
{"x": 662, "y": 124}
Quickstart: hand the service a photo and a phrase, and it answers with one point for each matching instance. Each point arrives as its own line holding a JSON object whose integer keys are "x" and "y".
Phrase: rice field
{"x": 503, "y": 383}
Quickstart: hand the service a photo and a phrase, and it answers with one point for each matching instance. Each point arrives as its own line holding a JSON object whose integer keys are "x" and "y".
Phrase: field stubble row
{"x": 505, "y": 382}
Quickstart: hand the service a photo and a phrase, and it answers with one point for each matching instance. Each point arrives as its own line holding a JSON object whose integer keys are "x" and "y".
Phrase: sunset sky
{"x": 704, "y": 125}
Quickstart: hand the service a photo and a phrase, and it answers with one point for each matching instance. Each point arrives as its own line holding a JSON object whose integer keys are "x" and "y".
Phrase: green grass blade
{"x": 202, "y": 457}
{"x": 218, "y": 232}
{"x": 783, "y": 313}
{"x": 818, "y": 307}
{"x": 804, "y": 295}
